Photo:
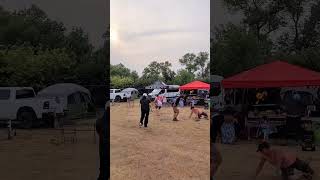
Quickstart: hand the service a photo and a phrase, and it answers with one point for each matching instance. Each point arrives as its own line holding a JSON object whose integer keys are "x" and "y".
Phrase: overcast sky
{"x": 91, "y": 15}
{"x": 148, "y": 30}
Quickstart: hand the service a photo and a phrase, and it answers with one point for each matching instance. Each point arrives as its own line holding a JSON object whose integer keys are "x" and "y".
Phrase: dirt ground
{"x": 241, "y": 160}
{"x": 38, "y": 154}
{"x": 165, "y": 150}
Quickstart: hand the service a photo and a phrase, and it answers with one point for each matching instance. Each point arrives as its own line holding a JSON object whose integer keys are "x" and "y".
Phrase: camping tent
{"x": 274, "y": 74}
{"x": 195, "y": 85}
{"x": 71, "y": 97}
{"x": 157, "y": 85}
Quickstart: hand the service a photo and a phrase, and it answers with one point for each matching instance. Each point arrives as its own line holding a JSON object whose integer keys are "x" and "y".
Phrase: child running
{"x": 158, "y": 103}
{"x": 198, "y": 113}
{"x": 287, "y": 162}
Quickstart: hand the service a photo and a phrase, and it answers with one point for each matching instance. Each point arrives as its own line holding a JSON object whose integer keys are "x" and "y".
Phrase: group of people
{"x": 162, "y": 100}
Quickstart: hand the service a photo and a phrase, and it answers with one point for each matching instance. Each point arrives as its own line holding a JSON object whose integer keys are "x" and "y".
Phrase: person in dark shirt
{"x": 145, "y": 108}
{"x": 175, "y": 108}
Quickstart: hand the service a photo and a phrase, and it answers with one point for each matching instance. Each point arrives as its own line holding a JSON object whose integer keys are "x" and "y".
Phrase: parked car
{"x": 22, "y": 106}
{"x": 170, "y": 92}
{"x": 117, "y": 96}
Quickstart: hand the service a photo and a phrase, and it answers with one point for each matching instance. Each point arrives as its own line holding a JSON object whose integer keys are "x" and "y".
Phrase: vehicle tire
{"x": 117, "y": 99}
{"x": 27, "y": 118}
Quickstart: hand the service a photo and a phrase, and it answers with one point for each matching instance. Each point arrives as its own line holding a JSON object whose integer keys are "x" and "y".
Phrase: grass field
{"x": 38, "y": 154}
{"x": 165, "y": 150}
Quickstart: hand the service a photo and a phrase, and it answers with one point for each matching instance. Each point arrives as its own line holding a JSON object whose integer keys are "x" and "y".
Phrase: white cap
{"x": 144, "y": 94}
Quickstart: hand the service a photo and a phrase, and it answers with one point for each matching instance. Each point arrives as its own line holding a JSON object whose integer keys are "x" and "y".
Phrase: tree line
{"x": 195, "y": 67}
{"x": 37, "y": 51}
{"x": 269, "y": 30}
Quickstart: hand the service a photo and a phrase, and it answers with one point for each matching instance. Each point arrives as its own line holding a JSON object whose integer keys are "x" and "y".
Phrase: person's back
{"x": 195, "y": 110}
{"x": 145, "y": 104}
{"x": 280, "y": 157}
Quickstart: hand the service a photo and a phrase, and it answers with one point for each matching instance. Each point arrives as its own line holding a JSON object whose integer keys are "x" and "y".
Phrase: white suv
{"x": 21, "y": 105}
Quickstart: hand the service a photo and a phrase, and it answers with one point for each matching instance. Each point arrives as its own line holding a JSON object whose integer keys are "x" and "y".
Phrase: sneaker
{"x": 140, "y": 125}
{"x": 175, "y": 119}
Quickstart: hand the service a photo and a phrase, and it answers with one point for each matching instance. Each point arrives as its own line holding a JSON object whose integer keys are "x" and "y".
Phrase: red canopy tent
{"x": 275, "y": 74}
{"x": 195, "y": 85}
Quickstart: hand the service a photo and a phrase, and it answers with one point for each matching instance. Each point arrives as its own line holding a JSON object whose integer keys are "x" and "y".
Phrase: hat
{"x": 263, "y": 145}
{"x": 145, "y": 94}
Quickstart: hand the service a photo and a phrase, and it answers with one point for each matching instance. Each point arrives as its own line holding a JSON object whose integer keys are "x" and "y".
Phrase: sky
{"x": 150, "y": 30}
{"x": 91, "y": 15}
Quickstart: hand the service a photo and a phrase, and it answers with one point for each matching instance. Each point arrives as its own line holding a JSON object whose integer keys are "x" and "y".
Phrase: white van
{"x": 170, "y": 92}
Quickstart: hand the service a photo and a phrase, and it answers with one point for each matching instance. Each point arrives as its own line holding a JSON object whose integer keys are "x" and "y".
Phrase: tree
{"x": 21, "y": 67}
{"x": 159, "y": 71}
{"x": 202, "y": 64}
{"x": 78, "y": 42}
{"x": 189, "y": 60}
{"x": 121, "y": 82}
{"x": 119, "y": 70}
{"x": 235, "y": 50}
{"x": 304, "y": 32}
{"x": 260, "y": 16}
{"x": 183, "y": 77}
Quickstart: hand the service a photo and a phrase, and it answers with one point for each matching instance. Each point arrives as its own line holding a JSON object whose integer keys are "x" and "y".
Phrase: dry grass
{"x": 165, "y": 150}
{"x": 240, "y": 161}
{"x": 37, "y": 155}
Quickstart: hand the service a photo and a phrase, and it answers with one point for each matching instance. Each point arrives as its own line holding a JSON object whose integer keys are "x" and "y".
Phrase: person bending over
{"x": 286, "y": 161}
{"x": 198, "y": 113}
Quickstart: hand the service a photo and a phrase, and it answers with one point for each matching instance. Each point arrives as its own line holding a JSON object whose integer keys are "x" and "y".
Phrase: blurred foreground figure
{"x": 285, "y": 161}
{"x": 102, "y": 129}
{"x": 215, "y": 160}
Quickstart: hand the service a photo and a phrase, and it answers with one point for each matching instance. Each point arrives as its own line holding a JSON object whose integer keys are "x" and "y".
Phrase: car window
{"x": 173, "y": 90}
{"x": 4, "y": 94}
{"x": 24, "y": 93}
{"x": 117, "y": 91}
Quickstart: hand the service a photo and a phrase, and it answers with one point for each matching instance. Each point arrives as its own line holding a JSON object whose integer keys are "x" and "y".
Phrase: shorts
{"x": 202, "y": 114}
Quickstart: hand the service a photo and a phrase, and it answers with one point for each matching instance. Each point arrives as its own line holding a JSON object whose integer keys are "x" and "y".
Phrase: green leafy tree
{"x": 260, "y": 16}
{"x": 158, "y": 71}
{"x": 202, "y": 63}
{"x": 121, "y": 82}
{"x": 183, "y": 77}
{"x": 236, "y": 50}
{"x": 189, "y": 61}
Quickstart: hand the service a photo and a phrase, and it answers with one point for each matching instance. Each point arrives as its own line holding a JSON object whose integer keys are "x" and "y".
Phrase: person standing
{"x": 175, "y": 108}
{"x": 145, "y": 109}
